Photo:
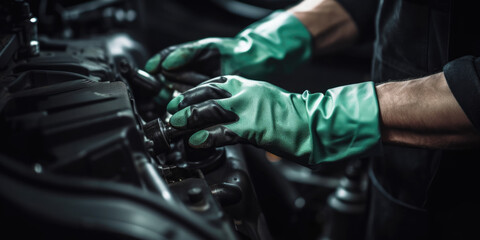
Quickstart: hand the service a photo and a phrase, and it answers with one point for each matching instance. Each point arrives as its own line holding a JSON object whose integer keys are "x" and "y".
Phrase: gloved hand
{"x": 227, "y": 110}
{"x": 278, "y": 43}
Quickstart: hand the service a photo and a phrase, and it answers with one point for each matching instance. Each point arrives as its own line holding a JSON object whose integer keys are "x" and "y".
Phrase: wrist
{"x": 344, "y": 122}
{"x": 331, "y": 27}
{"x": 423, "y": 113}
{"x": 277, "y": 43}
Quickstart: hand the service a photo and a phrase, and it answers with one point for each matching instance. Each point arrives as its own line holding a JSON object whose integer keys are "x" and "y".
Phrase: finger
{"x": 153, "y": 64}
{"x": 172, "y": 106}
{"x": 215, "y": 136}
{"x": 191, "y": 78}
{"x": 181, "y": 56}
{"x": 197, "y": 95}
{"x": 204, "y": 64}
{"x": 202, "y": 115}
{"x": 208, "y": 61}
{"x": 179, "y": 119}
{"x": 220, "y": 79}
{"x": 203, "y": 93}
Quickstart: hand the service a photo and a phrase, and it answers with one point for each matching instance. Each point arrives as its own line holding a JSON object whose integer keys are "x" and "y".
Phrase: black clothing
{"x": 415, "y": 38}
{"x": 420, "y": 193}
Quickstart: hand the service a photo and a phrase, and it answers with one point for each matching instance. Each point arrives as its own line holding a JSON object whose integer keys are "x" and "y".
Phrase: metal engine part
{"x": 77, "y": 158}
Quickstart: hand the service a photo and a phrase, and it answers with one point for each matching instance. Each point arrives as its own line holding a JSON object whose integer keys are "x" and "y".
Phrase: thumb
{"x": 171, "y": 58}
{"x": 180, "y": 56}
{"x": 153, "y": 64}
{"x": 215, "y": 136}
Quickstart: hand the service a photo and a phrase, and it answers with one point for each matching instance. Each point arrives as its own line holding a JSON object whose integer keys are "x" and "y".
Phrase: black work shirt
{"x": 426, "y": 193}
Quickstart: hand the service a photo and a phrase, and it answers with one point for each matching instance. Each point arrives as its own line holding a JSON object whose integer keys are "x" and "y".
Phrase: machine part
{"x": 123, "y": 46}
{"x": 276, "y": 192}
{"x": 74, "y": 159}
{"x": 44, "y": 206}
{"x": 8, "y": 47}
{"x": 53, "y": 114}
{"x": 152, "y": 92}
{"x": 243, "y": 9}
{"x": 68, "y": 115}
{"x": 24, "y": 25}
{"x": 18, "y": 32}
{"x": 75, "y": 162}
{"x": 152, "y": 179}
{"x": 162, "y": 135}
{"x": 156, "y": 131}
{"x": 140, "y": 78}
{"x": 195, "y": 193}
{"x": 347, "y": 205}
{"x": 80, "y": 19}
{"x": 205, "y": 159}
{"x": 77, "y": 124}
{"x": 226, "y": 193}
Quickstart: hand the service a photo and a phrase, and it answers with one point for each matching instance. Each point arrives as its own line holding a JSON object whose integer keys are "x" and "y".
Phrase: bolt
{"x": 195, "y": 195}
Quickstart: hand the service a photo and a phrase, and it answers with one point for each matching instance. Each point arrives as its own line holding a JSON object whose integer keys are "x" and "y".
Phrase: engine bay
{"x": 86, "y": 151}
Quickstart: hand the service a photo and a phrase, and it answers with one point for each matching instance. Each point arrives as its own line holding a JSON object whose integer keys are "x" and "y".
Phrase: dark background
{"x": 161, "y": 23}
{"x": 172, "y": 22}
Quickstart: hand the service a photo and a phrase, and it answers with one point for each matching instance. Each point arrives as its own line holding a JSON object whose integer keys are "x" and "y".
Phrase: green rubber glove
{"x": 311, "y": 128}
{"x": 276, "y": 44}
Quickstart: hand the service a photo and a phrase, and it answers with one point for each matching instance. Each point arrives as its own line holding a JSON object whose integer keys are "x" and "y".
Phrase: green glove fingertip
{"x": 199, "y": 138}
{"x": 164, "y": 96}
{"x": 152, "y": 64}
{"x": 179, "y": 57}
{"x": 172, "y": 106}
{"x": 179, "y": 119}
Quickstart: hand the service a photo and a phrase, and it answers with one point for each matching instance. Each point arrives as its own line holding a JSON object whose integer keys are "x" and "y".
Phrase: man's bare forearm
{"x": 331, "y": 26}
{"x": 423, "y": 112}
{"x": 420, "y": 112}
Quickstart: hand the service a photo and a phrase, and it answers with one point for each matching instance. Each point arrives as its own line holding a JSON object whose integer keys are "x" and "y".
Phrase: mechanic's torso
{"x": 417, "y": 189}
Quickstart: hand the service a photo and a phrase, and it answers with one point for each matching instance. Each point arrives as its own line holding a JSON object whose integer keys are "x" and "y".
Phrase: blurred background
{"x": 160, "y": 23}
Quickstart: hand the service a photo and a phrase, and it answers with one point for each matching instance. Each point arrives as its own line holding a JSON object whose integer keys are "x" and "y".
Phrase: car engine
{"x": 86, "y": 151}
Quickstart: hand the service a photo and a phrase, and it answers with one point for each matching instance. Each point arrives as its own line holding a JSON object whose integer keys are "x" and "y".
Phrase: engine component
{"x": 85, "y": 151}
{"x": 226, "y": 193}
{"x": 140, "y": 78}
{"x": 77, "y": 159}
{"x": 21, "y": 28}
{"x": 161, "y": 135}
{"x": 347, "y": 205}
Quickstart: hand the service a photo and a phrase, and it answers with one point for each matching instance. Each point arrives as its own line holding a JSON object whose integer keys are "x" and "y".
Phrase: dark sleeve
{"x": 463, "y": 78}
{"x": 363, "y": 14}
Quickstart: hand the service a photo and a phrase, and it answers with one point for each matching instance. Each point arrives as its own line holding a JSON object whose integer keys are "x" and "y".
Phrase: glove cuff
{"x": 344, "y": 123}
{"x": 280, "y": 41}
